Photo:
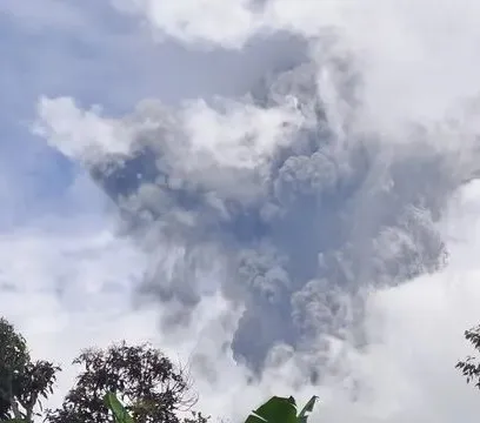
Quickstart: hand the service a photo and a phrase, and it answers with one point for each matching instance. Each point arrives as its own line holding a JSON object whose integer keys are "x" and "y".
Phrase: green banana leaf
{"x": 281, "y": 410}
{"x": 275, "y": 410}
{"x": 303, "y": 416}
{"x": 120, "y": 414}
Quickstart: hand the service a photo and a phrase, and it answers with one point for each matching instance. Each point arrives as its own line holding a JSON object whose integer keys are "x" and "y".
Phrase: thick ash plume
{"x": 302, "y": 222}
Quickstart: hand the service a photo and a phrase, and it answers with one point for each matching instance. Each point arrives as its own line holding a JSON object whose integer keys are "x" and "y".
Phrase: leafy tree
{"x": 141, "y": 377}
{"x": 22, "y": 382}
{"x": 470, "y": 367}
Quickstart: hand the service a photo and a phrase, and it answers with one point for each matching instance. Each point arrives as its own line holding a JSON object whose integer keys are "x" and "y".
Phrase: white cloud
{"x": 79, "y": 134}
{"x": 68, "y": 287}
{"x": 419, "y": 329}
{"x": 227, "y": 23}
{"x": 419, "y": 57}
{"x": 245, "y": 136}
{"x": 239, "y": 136}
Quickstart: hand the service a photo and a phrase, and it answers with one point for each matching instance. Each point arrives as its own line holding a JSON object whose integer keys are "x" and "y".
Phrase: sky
{"x": 280, "y": 193}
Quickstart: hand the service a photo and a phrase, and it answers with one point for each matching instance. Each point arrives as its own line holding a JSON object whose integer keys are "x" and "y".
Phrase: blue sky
{"x": 97, "y": 55}
{"x": 87, "y": 51}
{"x": 47, "y": 56}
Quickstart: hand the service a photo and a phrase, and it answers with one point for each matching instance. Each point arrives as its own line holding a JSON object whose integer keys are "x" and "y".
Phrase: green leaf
{"x": 303, "y": 416}
{"x": 119, "y": 412}
{"x": 276, "y": 410}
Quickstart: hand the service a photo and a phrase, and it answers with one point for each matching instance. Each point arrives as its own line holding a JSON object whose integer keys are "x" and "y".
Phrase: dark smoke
{"x": 334, "y": 212}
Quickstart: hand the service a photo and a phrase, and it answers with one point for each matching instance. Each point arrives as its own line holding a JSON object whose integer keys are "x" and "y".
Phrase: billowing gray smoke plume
{"x": 302, "y": 230}
{"x": 281, "y": 199}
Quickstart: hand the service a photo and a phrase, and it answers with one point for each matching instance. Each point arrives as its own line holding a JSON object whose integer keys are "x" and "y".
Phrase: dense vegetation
{"x": 152, "y": 388}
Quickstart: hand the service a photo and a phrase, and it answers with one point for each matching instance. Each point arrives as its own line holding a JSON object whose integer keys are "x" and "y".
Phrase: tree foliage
{"x": 22, "y": 381}
{"x": 144, "y": 379}
{"x": 470, "y": 366}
